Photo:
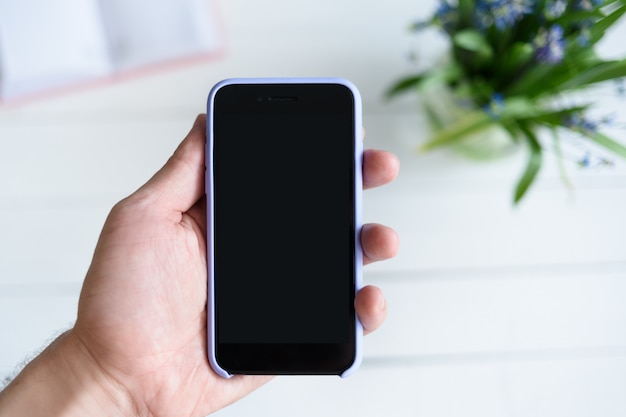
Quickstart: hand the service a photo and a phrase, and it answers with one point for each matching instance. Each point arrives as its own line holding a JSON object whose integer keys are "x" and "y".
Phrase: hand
{"x": 141, "y": 327}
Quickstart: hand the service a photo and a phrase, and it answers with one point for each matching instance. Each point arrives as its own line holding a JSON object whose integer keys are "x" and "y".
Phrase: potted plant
{"x": 512, "y": 65}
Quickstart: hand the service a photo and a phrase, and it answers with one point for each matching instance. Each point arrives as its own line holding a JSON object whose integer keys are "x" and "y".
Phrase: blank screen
{"x": 284, "y": 216}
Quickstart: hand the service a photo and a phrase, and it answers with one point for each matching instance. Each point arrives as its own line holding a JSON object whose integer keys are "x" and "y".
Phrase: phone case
{"x": 211, "y": 339}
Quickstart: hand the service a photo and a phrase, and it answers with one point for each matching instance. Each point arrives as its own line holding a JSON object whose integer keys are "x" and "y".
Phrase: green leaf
{"x": 555, "y": 118}
{"x": 600, "y": 27}
{"x": 472, "y": 122}
{"x": 533, "y": 166}
{"x": 472, "y": 40}
{"x": 517, "y": 56}
{"x": 532, "y": 80}
{"x": 603, "y": 71}
{"x": 520, "y": 108}
{"x": 440, "y": 77}
{"x": 437, "y": 76}
{"x": 559, "y": 153}
{"x": 466, "y": 10}
{"x": 433, "y": 118}
{"x": 581, "y": 69}
{"x": 404, "y": 84}
{"x": 512, "y": 130}
{"x": 550, "y": 117}
{"x": 609, "y": 144}
{"x": 572, "y": 17}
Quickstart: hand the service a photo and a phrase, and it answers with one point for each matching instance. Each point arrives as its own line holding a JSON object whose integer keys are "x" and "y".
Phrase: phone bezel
{"x": 230, "y": 359}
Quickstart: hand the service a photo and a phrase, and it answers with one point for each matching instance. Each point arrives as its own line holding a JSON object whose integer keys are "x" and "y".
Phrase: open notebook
{"x": 48, "y": 45}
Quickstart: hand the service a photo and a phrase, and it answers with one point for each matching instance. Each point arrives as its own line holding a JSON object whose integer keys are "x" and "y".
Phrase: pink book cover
{"x": 53, "y": 47}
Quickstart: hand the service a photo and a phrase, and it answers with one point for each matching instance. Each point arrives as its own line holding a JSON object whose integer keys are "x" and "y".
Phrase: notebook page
{"x": 46, "y": 44}
{"x": 143, "y": 32}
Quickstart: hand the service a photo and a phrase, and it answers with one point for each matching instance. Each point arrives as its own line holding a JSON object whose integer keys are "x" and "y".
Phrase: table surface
{"x": 494, "y": 310}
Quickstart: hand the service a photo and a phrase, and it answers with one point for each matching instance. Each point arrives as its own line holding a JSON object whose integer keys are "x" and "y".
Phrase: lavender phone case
{"x": 209, "y": 191}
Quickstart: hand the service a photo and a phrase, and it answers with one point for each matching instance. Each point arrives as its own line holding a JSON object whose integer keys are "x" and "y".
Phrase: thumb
{"x": 180, "y": 183}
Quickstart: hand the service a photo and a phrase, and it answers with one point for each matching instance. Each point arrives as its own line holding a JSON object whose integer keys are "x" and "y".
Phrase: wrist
{"x": 64, "y": 381}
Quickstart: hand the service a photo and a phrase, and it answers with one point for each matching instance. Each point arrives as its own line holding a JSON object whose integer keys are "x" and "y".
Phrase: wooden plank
{"x": 29, "y": 323}
{"x": 469, "y": 230}
{"x": 577, "y": 388}
{"x": 439, "y": 229}
{"x": 545, "y": 343}
{"x": 84, "y": 160}
{"x": 61, "y": 153}
{"x": 42, "y": 245}
{"x": 578, "y": 383}
{"x": 433, "y": 320}
{"x": 442, "y": 318}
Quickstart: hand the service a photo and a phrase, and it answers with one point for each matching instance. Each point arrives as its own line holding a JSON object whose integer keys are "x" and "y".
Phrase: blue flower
{"x": 580, "y": 123}
{"x": 446, "y": 15}
{"x": 550, "y": 45}
{"x": 588, "y": 5}
{"x": 495, "y": 106}
{"x": 555, "y": 9}
{"x": 482, "y": 16}
{"x": 584, "y": 34}
{"x": 502, "y": 13}
{"x": 590, "y": 161}
{"x": 585, "y": 161}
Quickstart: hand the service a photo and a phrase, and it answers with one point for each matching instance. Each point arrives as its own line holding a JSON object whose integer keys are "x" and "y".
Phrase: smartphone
{"x": 283, "y": 183}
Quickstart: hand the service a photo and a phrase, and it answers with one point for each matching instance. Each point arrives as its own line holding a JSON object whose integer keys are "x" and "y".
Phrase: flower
{"x": 550, "y": 45}
{"x": 446, "y": 15}
{"x": 587, "y": 5}
{"x": 578, "y": 122}
{"x": 514, "y": 62}
{"x": 584, "y": 37}
{"x": 495, "y": 106}
{"x": 504, "y": 13}
{"x": 555, "y": 9}
{"x": 591, "y": 161}
{"x": 582, "y": 123}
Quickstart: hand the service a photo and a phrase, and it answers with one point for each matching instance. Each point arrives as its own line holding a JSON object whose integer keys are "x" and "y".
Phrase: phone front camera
{"x": 259, "y": 99}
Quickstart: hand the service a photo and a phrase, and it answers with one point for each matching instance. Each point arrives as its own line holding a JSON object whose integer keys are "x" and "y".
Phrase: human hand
{"x": 141, "y": 327}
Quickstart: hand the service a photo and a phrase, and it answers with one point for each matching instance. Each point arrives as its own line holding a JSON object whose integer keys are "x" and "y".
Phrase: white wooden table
{"x": 494, "y": 310}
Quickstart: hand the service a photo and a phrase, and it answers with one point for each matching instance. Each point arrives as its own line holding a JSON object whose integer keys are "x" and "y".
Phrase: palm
{"x": 159, "y": 343}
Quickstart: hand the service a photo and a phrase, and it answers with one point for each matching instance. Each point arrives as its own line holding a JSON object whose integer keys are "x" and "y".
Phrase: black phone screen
{"x": 284, "y": 227}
